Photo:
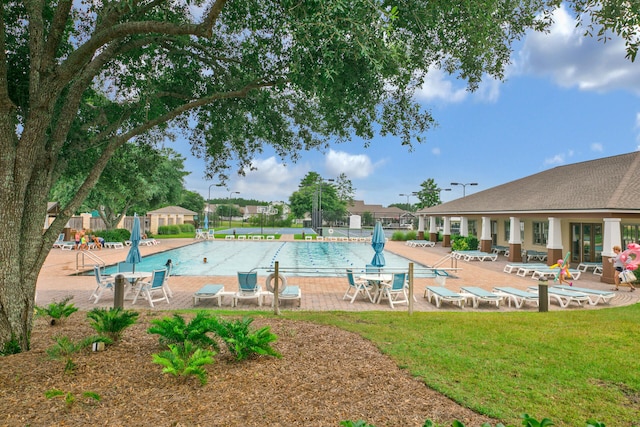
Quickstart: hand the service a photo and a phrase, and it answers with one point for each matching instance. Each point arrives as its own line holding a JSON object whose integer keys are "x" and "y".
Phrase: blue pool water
{"x": 226, "y": 258}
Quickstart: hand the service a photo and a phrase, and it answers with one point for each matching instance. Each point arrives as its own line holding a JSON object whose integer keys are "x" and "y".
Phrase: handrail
{"x": 99, "y": 261}
{"x": 454, "y": 261}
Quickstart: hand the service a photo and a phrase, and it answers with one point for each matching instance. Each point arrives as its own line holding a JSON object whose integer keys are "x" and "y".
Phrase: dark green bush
{"x": 117, "y": 235}
{"x": 169, "y": 229}
{"x": 187, "y": 228}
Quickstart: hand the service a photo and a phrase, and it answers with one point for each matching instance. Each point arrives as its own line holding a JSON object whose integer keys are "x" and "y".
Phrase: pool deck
{"x": 57, "y": 280}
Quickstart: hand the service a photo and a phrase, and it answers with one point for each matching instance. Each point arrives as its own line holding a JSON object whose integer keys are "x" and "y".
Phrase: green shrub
{"x": 186, "y": 228}
{"x": 168, "y": 229}
{"x": 185, "y": 360}
{"x": 64, "y": 348}
{"x": 411, "y": 235}
{"x": 398, "y": 236}
{"x": 11, "y": 347}
{"x": 462, "y": 243}
{"x": 117, "y": 235}
{"x": 176, "y": 331}
{"x": 69, "y": 398}
{"x": 112, "y": 322}
{"x": 242, "y": 342}
{"x": 57, "y": 311}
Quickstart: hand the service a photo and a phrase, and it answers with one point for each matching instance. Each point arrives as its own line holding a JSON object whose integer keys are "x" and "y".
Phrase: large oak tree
{"x": 232, "y": 75}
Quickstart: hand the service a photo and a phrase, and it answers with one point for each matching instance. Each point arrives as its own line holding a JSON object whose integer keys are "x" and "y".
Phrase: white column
{"x": 464, "y": 226}
{"x": 554, "y": 240}
{"x": 432, "y": 224}
{"x": 421, "y": 223}
{"x": 514, "y": 231}
{"x": 447, "y": 225}
{"x": 612, "y": 236}
{"x": 486, "y": 228}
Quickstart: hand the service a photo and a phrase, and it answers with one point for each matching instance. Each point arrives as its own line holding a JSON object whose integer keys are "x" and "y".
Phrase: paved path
{"x": 58, "y": 279}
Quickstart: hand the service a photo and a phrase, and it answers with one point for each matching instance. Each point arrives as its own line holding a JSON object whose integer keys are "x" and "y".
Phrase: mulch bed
{"x": 326, "y": 375}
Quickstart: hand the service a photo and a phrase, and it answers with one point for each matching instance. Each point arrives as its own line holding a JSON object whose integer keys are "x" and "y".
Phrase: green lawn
{"x": 568, "y": 366}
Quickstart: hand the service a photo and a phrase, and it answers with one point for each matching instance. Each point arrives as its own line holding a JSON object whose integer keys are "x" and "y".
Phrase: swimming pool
{"x": 226, "y": 258}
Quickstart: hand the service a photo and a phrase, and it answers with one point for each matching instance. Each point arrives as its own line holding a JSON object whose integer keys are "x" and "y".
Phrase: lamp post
{"x": 317, "y": 208}
{"x": 230, "y": 193}
{"x": 464, "y": 186}
{"x": 209, "y": 200}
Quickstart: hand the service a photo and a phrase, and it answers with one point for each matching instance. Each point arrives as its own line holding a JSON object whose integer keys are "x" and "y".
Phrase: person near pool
{"x": 618, "y": 266}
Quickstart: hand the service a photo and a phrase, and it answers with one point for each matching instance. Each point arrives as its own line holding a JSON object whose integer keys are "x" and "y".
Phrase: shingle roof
{"x": 173, "y": 210}
{"x": 603, "y": 185}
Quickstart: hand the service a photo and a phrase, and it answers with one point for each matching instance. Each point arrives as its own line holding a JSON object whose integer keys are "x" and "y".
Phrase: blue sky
{"x": 566, "y": 99}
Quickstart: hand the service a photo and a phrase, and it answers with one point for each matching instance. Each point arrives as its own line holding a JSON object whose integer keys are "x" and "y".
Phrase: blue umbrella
{"x": 206, "y": 221}
{"x": 377, "y": 243}
{"x": 134, "y": 257}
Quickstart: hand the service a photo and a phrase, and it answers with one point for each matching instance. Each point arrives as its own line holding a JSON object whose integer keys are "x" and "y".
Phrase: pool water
{"x": 226, "y": 258}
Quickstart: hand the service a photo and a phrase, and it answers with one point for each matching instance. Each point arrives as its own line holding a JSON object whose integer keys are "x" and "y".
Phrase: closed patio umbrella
{"x": 134, "y": 256}
{"x": 206, "y": 221}
{"x": 377, "y": 243}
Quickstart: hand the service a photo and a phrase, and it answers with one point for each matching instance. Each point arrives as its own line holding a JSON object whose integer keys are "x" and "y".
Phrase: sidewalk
{"x": 57, "y": 280}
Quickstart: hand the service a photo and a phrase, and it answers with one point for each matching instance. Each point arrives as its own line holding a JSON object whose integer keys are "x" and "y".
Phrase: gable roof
{"x": 358, "y": 207}
{"x": 610, "y": 184}
{"x": 173, "y": 210}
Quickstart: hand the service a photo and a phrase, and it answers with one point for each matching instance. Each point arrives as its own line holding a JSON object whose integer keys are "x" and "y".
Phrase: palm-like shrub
{"x": 176, "y": 331}
{"x": 185, "y": 360}
{"x": 242, "y": 342}
{"x": 112, "y": 322}
{"x": 57, "y": 311}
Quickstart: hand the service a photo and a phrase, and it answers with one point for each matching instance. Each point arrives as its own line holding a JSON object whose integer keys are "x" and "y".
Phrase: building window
{"x": 507, "y": 230}
{"x": 540, "y": 233}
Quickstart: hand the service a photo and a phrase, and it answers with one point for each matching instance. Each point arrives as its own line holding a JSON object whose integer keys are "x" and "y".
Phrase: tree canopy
{"x": 231, "y": 75}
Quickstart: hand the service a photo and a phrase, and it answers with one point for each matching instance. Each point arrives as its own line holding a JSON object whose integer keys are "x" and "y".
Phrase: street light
{"x": 408, "y": 195}
{"x": 464, "y": 186}
{"x": 230, "y": 193}
{"x": 209, "y": 200}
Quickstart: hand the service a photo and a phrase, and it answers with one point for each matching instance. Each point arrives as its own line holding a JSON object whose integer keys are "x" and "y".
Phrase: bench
{"x": 209, "y": 291}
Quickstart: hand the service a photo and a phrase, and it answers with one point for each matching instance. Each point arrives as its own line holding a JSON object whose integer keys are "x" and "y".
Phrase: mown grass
{"x": 568, "y": 366}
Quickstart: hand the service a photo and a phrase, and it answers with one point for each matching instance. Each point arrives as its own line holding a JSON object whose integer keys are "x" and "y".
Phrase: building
{"x": 585, "y": 208}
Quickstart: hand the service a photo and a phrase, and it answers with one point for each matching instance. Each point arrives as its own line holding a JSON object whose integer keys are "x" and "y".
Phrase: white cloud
{"x": 596, "y": 146}
{"x": 355, "y": 166}
{"x": 270, "y": 180}
{"x": 573, "y": 60}
{"x": 435, "y": 151}
{"x": 558, "y": 159}
{"x": 438, "y": 86}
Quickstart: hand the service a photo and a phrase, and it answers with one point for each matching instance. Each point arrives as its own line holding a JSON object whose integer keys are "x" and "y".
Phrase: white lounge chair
{"x": 515, "y": 266}
{"x": 439, "y": 294}
{"x": 564, "y": 297}
{"x": 285, "y": 291}
{"x": 478, "y": 295}
{"x": 200, "y": 234}
{"x": 552, "y": 273}
{"x": 595, "y": 296}
{"x": 517, "y": 296}
{"x": 585, "y": 266}
{"x": 207, "y": 292}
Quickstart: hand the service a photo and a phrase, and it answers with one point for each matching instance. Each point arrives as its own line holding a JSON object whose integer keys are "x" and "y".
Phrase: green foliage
{"x": 11, "y": 347}
{"x": 69, "y": 398}
{"x": 169, "y": 229}
{"x": 359, "y": 423}
{"x": 176, "y": 331}
{"x": 186, "y": 228}
{"x": 185, "y": 360}
{"x": 403, "y": 236}
{"x": 57, "y": 311}
{"x": 112, "y": 322}
{"x": 526, "y": 421}
{"x": 464, "y": 243}
{"x": 117, "y": 235}
{"x": 64, "y": 348}
{"x": 242, "y": 342}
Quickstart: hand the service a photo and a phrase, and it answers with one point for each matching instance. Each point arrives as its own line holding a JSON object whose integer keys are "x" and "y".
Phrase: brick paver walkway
{"x": 58, "y": 279}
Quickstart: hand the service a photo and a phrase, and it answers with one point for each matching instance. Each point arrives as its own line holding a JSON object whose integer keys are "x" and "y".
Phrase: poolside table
{"x": 376, "y": 279}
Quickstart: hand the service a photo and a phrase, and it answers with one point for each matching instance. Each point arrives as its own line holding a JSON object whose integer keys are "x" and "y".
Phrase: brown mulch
{"x": 326, "y": 376}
